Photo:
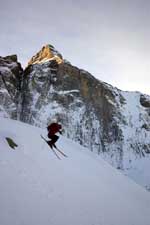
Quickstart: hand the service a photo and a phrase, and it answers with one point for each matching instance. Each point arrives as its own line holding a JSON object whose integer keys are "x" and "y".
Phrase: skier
{"x": 53, "y": 128}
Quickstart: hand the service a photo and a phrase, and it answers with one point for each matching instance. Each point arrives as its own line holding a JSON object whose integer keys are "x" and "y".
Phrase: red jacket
{"x": 53, "y": 128}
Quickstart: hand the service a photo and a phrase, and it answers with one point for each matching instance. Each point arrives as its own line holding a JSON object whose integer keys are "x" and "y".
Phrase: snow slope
{"x": 136, "y": 161}
{"x": 36, "y": 188}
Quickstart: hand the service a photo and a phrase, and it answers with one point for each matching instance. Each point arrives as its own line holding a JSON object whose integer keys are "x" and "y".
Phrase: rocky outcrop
{"x": 10, "y": 86}
{"x": 46, "y": 54}
{"x": 145, "y": 101}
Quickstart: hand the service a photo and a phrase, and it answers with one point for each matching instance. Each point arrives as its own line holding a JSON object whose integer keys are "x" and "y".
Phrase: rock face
{"x": 47, "y": 53}
{"x": 10, "y": 86}
{"x": 145, "y": 101}
{"x": 85, "y": 106}
{"x": 108, "y": 121}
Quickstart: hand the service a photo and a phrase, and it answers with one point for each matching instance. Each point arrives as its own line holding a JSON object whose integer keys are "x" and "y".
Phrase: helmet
{"x": 54, "y": 120}
{"x": 59, "y": 126}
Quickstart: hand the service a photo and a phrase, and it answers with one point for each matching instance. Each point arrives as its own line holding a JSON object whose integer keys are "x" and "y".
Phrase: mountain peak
{"x": 47, "y": 53}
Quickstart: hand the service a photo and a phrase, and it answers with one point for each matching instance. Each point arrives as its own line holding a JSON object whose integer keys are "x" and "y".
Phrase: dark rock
{"x": 11, "y": 58}
{"x": 145, "y": 101}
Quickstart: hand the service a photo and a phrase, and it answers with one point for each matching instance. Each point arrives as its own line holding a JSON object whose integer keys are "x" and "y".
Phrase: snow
{"x": 3, "y": 91}
{"x": 4, "y": 69}
{"x": 37, "y": 188}
{"x": 3, "y": 113}
{"x": 109, "y": 100}
{"x": 67, "y": 92}
{"x": 135, "y": 165}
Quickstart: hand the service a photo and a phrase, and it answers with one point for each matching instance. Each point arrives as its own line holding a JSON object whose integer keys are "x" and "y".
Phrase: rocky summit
{"x": 110, "y": 122}
{"x": 46, "y": 54}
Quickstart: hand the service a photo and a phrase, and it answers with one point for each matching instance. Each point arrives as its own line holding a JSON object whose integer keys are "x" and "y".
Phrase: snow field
{"x": 37, "y": 188}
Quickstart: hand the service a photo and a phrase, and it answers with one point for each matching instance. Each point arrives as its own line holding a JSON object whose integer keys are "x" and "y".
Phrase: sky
{"x": 108, "y": 38}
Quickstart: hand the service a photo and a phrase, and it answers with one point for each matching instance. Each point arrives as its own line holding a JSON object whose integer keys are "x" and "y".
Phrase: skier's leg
{"x": 54, "y": 139}
{"x": 50, "y": 144}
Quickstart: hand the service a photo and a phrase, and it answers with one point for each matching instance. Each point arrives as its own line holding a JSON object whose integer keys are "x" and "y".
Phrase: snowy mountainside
{"x": 114, "y": 123}
{"x": 106, "y": 120}
{"x": 37, "y": 188}
{"x": 135, "y": 155}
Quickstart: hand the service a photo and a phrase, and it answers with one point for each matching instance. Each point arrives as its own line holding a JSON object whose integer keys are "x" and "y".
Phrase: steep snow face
{"x": 137, "y": 127}
{"x": 134, "y": 155}
{"x": 136, "y": 133}
{"x": 38, "y": 188}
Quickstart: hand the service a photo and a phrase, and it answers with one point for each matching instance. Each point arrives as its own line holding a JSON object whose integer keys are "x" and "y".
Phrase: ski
{"x": 55, "y": 154}
{"x": 51, "y": 147}
{"x": 60, "y": 151}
